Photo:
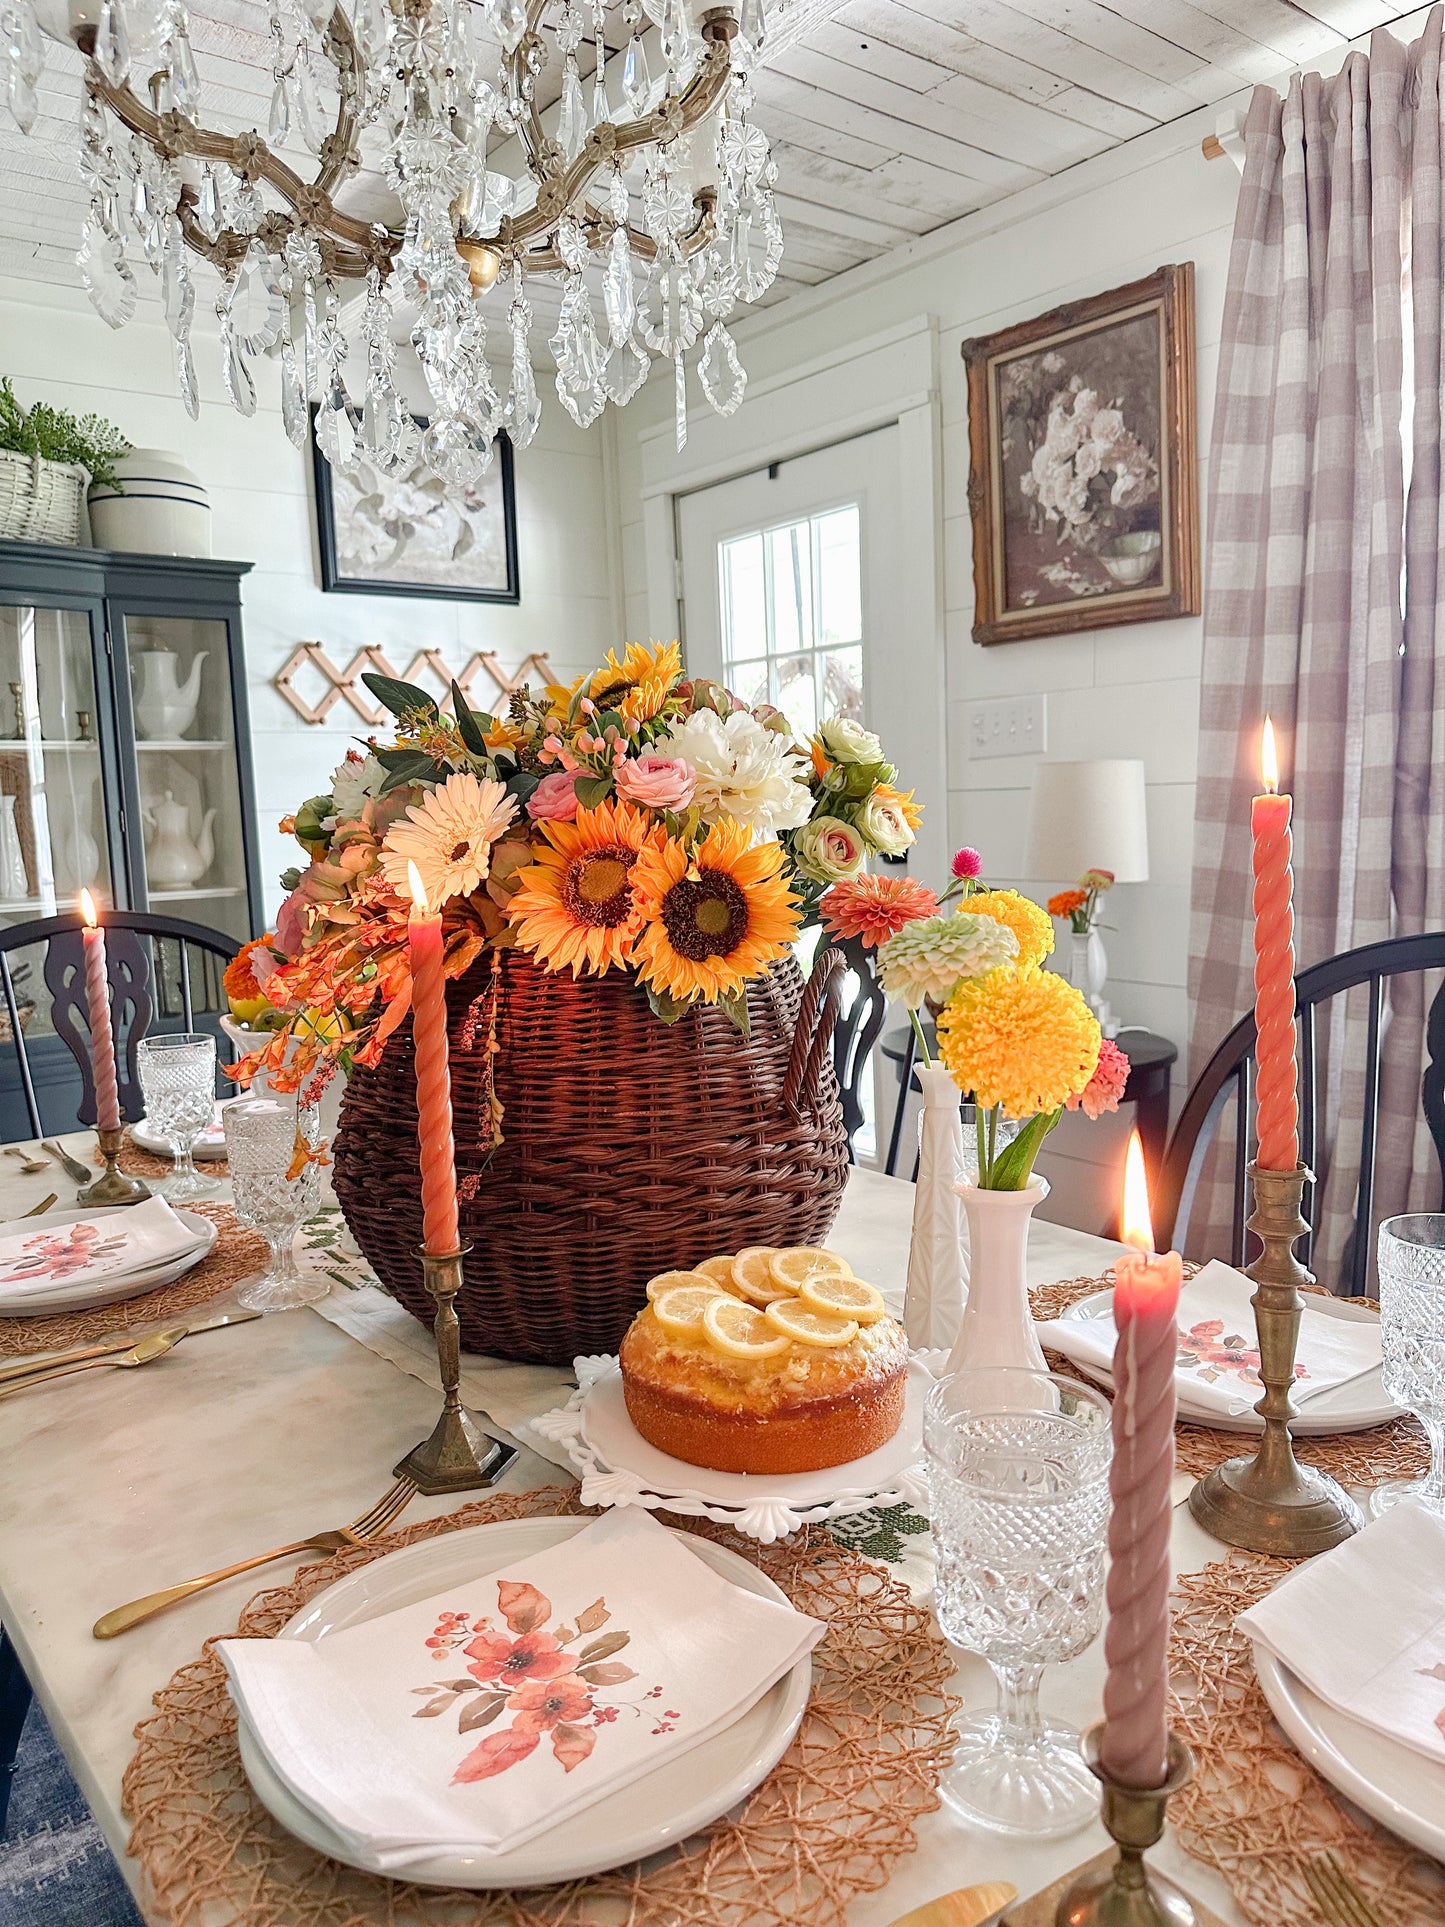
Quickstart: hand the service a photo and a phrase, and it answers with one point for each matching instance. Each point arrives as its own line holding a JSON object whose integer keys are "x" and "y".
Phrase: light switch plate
{"x": 1008, "y": 726}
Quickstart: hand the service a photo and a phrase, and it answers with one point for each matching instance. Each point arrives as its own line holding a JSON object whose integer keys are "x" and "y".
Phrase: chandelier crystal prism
{"x": 645, "y": 188}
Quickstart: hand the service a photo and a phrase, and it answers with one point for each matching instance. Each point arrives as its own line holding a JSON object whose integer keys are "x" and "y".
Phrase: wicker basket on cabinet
{"x": 630, "y": 1146}
{"x": 40, "y": 501}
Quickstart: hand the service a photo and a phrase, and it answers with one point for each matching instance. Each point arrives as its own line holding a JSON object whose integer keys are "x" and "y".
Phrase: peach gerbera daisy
{"x": 715, "y": 916}
{"x": 576, "y": 906}
{"x": 449, "y": 837}
{"x": 874, "y": 909}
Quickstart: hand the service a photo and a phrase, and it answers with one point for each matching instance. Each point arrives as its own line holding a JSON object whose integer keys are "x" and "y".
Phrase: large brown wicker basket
{"x": 629, "y": 1146}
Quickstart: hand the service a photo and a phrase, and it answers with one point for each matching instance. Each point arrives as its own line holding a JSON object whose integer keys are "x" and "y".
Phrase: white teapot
{"x": 173, "y": 860}
{"x": 164, "y": 705}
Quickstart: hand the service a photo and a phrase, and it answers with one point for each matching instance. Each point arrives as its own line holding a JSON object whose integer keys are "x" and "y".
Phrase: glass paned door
{"x": 792, "y": 616}
{"x": 189, "y": 791}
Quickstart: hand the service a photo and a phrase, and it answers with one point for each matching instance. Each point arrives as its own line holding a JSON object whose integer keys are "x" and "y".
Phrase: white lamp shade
{"x": 1087, "y": 816}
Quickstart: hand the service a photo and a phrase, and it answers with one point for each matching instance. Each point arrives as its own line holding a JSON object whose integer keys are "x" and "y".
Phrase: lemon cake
{"x": 769, "y": 1361}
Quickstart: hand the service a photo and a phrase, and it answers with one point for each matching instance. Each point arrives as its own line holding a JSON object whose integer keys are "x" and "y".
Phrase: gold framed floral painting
{"x": 1083, "y": 476}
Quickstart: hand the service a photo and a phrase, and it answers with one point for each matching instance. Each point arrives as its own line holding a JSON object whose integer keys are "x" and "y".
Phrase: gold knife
{"x": 964, "y": 1907}
{"x": 140, "y": 1353}
{"x": 122, "y": 1342}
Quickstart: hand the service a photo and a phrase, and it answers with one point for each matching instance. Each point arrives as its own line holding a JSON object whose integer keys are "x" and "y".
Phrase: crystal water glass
{"x": 178, "y": 1081}
{"x": 1411, "y": 1254}
{"x": 1018, "y": 1474}
{"x": 263, "y": 1139}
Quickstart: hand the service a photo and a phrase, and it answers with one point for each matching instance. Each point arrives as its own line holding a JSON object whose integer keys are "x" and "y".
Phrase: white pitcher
{"x": 164, "y": 705}
{"x": 173, "y": 860}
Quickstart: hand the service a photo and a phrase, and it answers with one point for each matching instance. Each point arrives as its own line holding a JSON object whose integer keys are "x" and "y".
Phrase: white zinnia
{"x": 354, "y": 780}
{"x": 933, "y": 956}
{"x": 743, "y": 771}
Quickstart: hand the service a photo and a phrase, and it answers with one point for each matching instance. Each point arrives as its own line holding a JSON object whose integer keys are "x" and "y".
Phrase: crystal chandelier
{"x": 647, "y": 190}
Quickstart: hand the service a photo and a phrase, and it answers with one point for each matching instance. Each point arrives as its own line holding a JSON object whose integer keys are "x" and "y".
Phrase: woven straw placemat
{"x": 828, "y": 1823}
{"x": 145, "y": 1164}
{"x": 1398, "y": 1450}
{"x": 1254, "y": 1810}
{"x": 236, "y": 1253}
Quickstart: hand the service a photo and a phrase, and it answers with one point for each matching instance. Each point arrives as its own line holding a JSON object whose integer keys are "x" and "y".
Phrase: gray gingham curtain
{"x": 1324, "y": 596}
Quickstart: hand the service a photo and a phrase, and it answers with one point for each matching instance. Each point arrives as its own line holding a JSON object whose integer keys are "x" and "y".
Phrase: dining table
{"x": 117, "y": 1483}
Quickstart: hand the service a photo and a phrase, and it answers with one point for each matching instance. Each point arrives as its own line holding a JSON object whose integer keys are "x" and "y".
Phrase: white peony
{"x": 353, "y": 781}
{"x": 743, "y": 771}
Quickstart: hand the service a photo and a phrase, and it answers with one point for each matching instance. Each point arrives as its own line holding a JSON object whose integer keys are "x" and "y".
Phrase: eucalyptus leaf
{"x": 734, "y": 1007}
{"x": 418, "y": 768}
{"x": 521, "y": 784}
{"x": 401, "y": 698}
{"x": 667, "y": 1010}
{"x": 467, "y": 728}
{"x": 1013, "y": 1167}
{"x": 592, "y": 790}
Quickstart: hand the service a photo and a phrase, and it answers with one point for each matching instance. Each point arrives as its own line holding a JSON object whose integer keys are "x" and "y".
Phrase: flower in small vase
{"x": 930, "y": 958}
{"x": 656, "y": 782}
{"x": 883, "y": 821}
{"x": 1106, "y": 1087}
{"x": 555, "y": 798}
{"x": 873, "y": 909}
{"x": 1022, "y": 1038}
{"x": 1076, "y": 906}
{"x": 967, "y": 864}
{"x": 1031, "y": 926}
{"x": 829, "y": 850}
{"x": 715, "y": 916}
{"x": 849, "y": 742}
{"x": 449, "y": 837}
{"x": 575, "y": 907}
{"x": 744, "y": 771}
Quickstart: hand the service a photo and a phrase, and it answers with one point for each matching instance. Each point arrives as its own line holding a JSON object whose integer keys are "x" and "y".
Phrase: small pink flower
{"x": 657, "y": 782}
{"x": 1105, "y": 1088}
{"x": 555, "y": 798}
{"x": 967, "y": 864}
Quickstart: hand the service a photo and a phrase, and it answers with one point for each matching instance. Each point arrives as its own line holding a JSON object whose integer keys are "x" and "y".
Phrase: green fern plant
{"x": 56, "y": 435}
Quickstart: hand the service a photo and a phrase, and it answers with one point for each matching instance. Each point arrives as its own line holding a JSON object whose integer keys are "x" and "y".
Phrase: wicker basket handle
{"x": 813, "y": 1031}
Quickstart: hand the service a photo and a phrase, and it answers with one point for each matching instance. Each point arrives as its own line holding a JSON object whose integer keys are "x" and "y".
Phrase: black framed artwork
{"x": 410, "y": 534}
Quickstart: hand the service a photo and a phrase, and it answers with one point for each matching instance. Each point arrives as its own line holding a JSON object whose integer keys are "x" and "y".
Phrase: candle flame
{"x": 1138, "y": 1229}
{"x": 1269, "y": 758}
{"x": 88, "y": 909}
{"x": 417, "y": 888}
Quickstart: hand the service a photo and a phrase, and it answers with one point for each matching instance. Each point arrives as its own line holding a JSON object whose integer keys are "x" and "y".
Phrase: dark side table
{"x": 1151, "y": 1060}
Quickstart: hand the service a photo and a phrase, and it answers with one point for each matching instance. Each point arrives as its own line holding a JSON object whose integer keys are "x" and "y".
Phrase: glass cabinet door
{"x": 189, "y": 785}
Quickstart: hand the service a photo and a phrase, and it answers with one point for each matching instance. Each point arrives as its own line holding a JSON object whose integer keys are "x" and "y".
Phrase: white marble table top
{"x": 118, "y": 1483}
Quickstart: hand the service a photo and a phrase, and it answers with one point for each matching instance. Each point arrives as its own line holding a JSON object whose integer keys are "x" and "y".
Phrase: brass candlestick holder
{"x": 458, "y": 1456}
{"x": 1125, "y": 1891}
{"x": 113, "y": 1186}
{"x": 1269, "y": 1502}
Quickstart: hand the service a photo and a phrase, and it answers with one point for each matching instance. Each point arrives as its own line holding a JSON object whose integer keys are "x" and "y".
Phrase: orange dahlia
{"x": 874, "y": 909}
{"x": 714, "y": 916}
{"x": 576, "y": 905}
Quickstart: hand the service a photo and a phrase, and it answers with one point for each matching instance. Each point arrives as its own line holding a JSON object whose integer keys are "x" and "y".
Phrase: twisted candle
{"x": 102, "y": 1039}
{"x": 1274, "y": 1002}
{"x": 440, "y": 1233}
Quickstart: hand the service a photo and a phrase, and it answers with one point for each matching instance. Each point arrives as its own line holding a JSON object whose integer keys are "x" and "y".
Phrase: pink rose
{"x": 657, "y": 782}
{"x": 555, "y": 798}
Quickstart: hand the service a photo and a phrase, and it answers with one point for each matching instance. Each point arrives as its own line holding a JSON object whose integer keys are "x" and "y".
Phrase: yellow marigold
{"x": 1023, "y": 1039}
{"x": 1029, "y": 923}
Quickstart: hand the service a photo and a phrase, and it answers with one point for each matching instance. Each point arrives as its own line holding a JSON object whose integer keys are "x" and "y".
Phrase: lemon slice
{"x": 670, "y": 1280}
{"x": 842, "y": 1297}
{"x": 795, "y": 1266}
{"x": 681, "y": 1309}
{"x": 740, "y": 1330}
{"x": 797, "y": 1320}
{"x": 719, "y": 1271}
{"x": 753, "y": 1278}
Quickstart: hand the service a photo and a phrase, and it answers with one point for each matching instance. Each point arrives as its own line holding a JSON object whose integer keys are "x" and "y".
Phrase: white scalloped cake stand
{"x": 619, "y": 1467}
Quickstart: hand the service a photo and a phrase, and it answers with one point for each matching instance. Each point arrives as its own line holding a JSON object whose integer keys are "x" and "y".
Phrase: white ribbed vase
{"x": 937, "y": 1259}
{"x": 998, "y": 1326}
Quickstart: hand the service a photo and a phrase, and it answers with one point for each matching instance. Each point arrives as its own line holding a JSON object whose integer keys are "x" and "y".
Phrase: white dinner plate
{"x": 645, "y": 1817}
{"x": 1352, "y": 1407}
{"x": 1395, "y": 1785}
{"x": 115, "y": 1286}
{"x": 210, "y": 1144}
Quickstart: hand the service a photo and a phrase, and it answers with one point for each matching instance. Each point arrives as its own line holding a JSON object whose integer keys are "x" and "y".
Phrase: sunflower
{"x": 715, "y": 916}
{"x": 1023, "y": 1039}
{"x": 1030, "y": 924}
{"x": 577, "y": 905}
{"x": 449, "y": 837}
{"x": 639, "y": 684}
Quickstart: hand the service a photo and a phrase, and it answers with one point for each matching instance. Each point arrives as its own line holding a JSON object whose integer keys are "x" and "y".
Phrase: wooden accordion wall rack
{"x": 345, "y": 685}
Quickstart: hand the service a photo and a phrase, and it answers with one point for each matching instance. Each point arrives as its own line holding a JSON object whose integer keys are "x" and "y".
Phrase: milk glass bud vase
{"x": 998, "y": 1325}
{"x": 937, "y": 1261}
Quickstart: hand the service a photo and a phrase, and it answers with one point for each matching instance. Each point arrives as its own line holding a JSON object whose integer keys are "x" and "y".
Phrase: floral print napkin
{"x": 476, "y": 1719}
{"x": 36, "y": 1256}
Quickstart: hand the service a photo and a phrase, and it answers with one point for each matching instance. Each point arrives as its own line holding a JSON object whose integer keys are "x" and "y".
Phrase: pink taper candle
{"x": 433, "y": 1085}
{"x": 102, "y": 1039}
{"x": 1134, "y": 1750}
{"x": 1274, "y": 1006}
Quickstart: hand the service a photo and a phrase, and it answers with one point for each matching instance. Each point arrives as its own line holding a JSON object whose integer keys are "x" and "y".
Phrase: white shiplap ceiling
{"x": 889, "y": 118}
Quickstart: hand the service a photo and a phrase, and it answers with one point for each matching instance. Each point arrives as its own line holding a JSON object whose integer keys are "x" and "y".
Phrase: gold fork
{"x": 369, "y": 1526}
{"x": 1337, "y": 1896}
{"x": 141, "y": 1353}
